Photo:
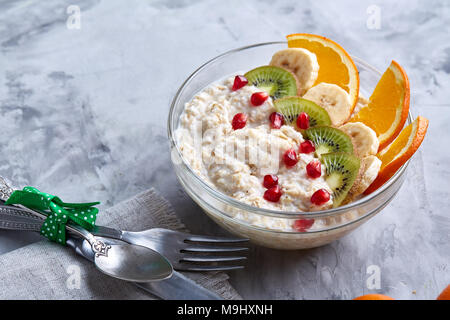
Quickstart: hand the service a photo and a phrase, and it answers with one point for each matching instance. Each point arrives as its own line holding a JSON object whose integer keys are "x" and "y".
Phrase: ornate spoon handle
{"x": 5, "y": 189}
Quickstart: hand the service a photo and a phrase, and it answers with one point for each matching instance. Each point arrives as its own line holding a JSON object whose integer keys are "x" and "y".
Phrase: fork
{"x": 185, "y": 251}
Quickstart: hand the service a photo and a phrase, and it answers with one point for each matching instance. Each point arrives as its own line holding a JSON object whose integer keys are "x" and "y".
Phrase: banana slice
{"x": 365, "y": 141}
{"x": 369, "y": 168}
{"x": 332, "y": 98}
{"x": 303, "y": 63}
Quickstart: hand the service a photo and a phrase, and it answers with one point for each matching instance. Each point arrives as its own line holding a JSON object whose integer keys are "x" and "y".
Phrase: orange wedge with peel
{"x": 399, "y": 151}
{"x": 374, "y": 296}
{"x": 445, "y": 294}
{"x": 388, "y": 105}
{"x": 336, "y": 65}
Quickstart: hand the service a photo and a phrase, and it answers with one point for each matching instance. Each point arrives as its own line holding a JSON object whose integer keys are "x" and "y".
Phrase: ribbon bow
{"x": 58, "y": 212}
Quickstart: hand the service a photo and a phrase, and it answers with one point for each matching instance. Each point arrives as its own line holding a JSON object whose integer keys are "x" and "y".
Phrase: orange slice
{"x": 445, "y": 294}
{"x": 374, "y": 296}
{"x": 336, "y": 65}
{"x": 388, "y": 105}
{"x": 399, "y": 151}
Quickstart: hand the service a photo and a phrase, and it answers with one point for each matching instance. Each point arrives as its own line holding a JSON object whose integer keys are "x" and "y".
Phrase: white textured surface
{"x": 83, "y": 114}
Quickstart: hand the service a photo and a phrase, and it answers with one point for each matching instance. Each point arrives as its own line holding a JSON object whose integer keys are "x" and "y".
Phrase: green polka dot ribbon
{"x": 58, "y": 212}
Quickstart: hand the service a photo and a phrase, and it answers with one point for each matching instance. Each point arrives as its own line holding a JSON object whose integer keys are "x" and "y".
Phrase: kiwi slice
{"x": 341, "y": 172}
{"x": 291, "y": 107}
{"x": 329, "y": 139}
{"x": 277, "y": 82}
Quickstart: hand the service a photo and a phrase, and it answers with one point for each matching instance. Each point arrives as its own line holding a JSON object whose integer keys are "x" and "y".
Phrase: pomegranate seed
{"x": 258, "y": 98}
{"x": 303, "y": 121}
{"x": 320, "y": 197}
{"x": 290, "y": 158}
{"x": 307, "y": 147}
{"x": 273, "y": 194}
{"x": 314, "y": 169}
{"x": 239, "y": 121}
{"x": 239, "y": 82}
{"x": 276, "y": 120}
{"x": 270, "y": 181}
{"x": 303, "y": 224}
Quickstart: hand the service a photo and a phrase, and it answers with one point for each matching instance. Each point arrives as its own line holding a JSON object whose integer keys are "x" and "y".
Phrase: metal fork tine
{"x": 197, "y": 258}
{"x": 197, "y": 238}
{"x": 211, "y": 268}
{"x": 206, "y": 248}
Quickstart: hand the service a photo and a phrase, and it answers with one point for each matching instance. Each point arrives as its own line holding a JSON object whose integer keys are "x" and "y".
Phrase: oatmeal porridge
{"x": 234, "y": 161}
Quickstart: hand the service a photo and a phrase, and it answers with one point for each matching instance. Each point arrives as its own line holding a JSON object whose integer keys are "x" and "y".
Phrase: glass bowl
{"x": 263, "y": 226}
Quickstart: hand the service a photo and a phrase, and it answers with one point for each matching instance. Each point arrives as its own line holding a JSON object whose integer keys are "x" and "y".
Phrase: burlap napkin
{"x": 45, "y": 270}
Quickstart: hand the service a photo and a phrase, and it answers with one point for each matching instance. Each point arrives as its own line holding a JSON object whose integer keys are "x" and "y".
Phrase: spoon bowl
{"x": 133, "y": 263}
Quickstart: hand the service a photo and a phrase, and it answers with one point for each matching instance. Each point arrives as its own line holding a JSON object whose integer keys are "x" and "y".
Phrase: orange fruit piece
{"x": 374, "y": 296}
{"x": 399, "y": 151}
{"x": 336, "y": 65}
{"x": 388, "y": 105}
{"x": 445, "y": 294}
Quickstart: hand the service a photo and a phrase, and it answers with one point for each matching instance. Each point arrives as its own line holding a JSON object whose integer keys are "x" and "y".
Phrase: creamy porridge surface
{"x": 235, "y": 161}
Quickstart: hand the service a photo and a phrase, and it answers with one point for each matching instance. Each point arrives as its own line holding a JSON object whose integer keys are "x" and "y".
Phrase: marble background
{"x": 83, "y": 114}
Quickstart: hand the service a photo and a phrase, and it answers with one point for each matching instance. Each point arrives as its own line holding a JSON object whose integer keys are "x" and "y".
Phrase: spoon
{"x": 126, "y": 261}
{"x": 123, "y": 261}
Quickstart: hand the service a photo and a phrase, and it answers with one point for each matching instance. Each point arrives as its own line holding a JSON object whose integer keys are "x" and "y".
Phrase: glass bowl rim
{"x": 262, "y": 211}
